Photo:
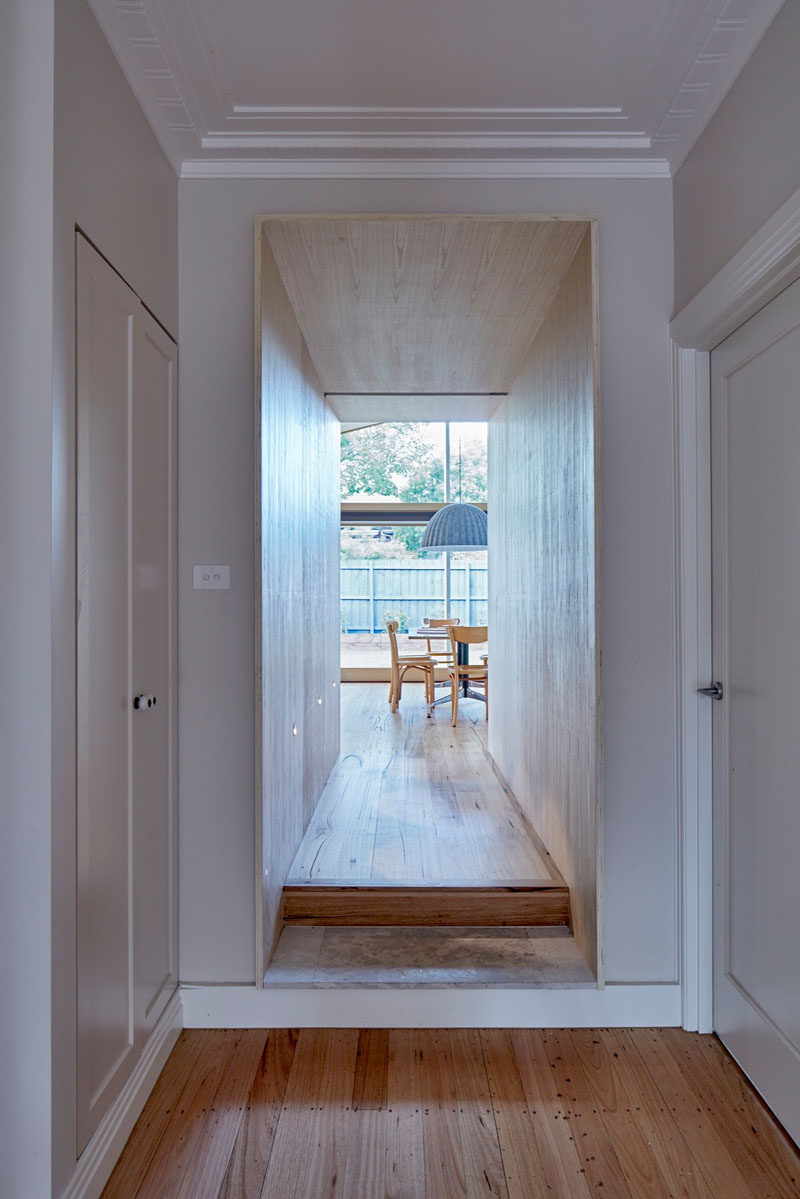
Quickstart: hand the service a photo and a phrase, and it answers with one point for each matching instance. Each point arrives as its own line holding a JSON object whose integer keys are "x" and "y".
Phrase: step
{"x": 364, "y": 902}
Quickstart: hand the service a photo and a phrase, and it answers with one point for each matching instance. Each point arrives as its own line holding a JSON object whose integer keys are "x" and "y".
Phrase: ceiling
{"x": 455, "y": 88}
{"x": 414, "y": 306}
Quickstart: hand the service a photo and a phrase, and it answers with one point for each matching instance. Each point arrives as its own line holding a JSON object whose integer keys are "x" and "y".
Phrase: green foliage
{"x": 379, "y": 461}
{"x": 401, "y": 462}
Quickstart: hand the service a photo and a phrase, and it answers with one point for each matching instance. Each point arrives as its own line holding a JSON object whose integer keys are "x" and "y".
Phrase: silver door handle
{"x": 713, "y": 692}
{"x": 144, "y": 701}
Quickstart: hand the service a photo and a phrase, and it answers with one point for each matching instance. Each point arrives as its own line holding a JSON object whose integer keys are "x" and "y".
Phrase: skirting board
{"x": 100, "y": 1155}
{"x": 645, "y": 1005}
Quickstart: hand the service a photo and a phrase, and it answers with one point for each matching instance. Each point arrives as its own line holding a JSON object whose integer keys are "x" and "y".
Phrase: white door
{"x": 756, "y": 620}
{"x": 125, "y": 435}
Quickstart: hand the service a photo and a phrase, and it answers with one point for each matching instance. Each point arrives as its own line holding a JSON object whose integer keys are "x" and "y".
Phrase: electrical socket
{"x": 211, "y": 578}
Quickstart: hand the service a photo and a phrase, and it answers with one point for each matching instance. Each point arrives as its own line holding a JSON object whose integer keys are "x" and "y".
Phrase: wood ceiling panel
{"x": 444, "y": 304}
{"x": 372, "y": 410}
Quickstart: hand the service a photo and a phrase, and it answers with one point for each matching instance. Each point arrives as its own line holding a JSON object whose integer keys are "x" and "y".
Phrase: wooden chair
{"x": 403, "y": 662}
{"x": 463, "y": 672}
{"x": 443, "y": 657}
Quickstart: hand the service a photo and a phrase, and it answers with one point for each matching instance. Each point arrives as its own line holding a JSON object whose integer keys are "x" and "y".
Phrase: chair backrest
{"x": 442, "y": 622}
{"x": 391, "y": 629}
{"x": 470, "y": 634}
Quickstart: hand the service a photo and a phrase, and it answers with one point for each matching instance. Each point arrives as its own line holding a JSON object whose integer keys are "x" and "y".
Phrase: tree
{"x": 380, "y": 460}
{"x": 400, "y": 462}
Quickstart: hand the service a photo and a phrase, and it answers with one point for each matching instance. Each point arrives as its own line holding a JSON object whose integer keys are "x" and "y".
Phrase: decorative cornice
{"x": 387, "y": 142}
{"x": 426, "y": 168}
{"x": 263, "y": 137}
{"x": 730, "y": 42}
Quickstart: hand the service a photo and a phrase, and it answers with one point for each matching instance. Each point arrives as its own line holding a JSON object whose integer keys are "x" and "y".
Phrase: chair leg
{"x": 486, "y": 690}
{"x": 454, "y": 698}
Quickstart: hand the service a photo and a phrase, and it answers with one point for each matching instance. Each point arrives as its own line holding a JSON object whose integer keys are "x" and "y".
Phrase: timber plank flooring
{"x": 417, "y": 1114}
{"x": 415, "y": 801}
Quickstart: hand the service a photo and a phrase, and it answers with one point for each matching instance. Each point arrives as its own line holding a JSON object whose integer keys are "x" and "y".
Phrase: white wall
{"x": 114, "y": 182}
{"x": 216, "y": 525}
{"x": 26, "y": 263}
{"x": 745, "y": 164}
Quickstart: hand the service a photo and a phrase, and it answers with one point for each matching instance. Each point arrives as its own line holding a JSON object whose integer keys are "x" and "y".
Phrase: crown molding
{"x": 322, "y": 142}
{"x": 139, "y": 51}
{"x": 423, "y": 112}
{"x": 670, "y": 104}
{"x": 733, "y": 37}
{"x": 426, "y": 168}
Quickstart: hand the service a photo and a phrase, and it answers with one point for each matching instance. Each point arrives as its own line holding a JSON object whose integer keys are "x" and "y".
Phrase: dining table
{"x": 426, "y": 633}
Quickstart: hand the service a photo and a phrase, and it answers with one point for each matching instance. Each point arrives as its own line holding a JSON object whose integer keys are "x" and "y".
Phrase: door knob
{"x": 713, "y": 692}
{"x": 144, "y": 701}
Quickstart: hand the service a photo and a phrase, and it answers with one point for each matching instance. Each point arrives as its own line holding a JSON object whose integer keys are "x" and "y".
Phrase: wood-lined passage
{"x": 445, "y": 1113}
{"x": 416, "y": 801}
{"x": 356, "y": 411}
{"x": 400, "y": 904}
{"x": 297, "y": 514}
{"x": 545, "y": 727}
{"x": 416, "y": 305}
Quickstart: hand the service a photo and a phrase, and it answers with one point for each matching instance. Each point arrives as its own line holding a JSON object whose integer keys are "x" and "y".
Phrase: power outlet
{"x": 212, "y": 578}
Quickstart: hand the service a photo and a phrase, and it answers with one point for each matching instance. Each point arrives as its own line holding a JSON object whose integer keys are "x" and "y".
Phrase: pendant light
{"x": 456, "y": 527}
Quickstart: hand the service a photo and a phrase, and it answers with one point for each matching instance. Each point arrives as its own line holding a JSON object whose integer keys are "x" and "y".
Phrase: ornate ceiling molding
{"x": 221, "y": 137}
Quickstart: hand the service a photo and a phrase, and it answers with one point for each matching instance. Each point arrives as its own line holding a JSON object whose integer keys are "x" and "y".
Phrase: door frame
{"x": 767, "y": 264}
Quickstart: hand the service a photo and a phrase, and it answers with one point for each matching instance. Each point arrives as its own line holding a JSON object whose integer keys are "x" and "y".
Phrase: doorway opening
{"x": 428, "y": 331}
{"x": 394, "y": 477}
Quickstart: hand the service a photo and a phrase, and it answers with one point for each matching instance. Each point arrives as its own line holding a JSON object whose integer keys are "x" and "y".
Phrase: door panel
{"x": 126, "y": 851}
{"x": 756, "y": 535}
{"x": 106, "y": 310}
{"x": 153, "y": 643}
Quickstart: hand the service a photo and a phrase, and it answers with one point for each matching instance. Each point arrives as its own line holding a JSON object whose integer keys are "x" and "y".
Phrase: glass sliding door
{"x": 394, "y": 476}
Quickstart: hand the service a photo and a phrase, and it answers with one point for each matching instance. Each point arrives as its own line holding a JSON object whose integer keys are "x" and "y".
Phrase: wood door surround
{"x": 397, "y": 308}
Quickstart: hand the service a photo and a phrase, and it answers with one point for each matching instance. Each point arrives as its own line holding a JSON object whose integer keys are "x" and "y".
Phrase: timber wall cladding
{"x": 299, "y": 588}
{"x": 542, "y": 591}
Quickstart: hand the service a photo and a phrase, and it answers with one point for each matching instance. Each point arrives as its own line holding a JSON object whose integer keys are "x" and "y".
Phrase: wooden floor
{"x": 414, "y": 803}
{"x": 414, "y": 800}
{"x": 616, "y": 1113}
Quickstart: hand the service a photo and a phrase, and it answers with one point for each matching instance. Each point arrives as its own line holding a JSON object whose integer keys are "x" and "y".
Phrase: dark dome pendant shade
{"x": 456, "y": 527}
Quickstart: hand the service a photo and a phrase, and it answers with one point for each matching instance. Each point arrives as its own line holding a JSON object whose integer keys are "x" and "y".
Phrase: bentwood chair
{"x": 461, "y": 673}
{"x": 400, "y": 663}
{"x": 443, "y": 657}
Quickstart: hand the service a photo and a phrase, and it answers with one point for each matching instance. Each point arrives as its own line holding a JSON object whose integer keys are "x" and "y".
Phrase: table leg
{"x": 463, "y": 660}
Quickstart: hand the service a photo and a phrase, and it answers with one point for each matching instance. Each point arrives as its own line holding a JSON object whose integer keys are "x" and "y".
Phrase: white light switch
{"x": 212, "y": 578}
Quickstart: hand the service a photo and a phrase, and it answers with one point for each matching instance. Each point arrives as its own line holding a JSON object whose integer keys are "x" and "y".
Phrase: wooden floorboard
{"x": 416, "y": 800}
{"x": 401, "y": 1114}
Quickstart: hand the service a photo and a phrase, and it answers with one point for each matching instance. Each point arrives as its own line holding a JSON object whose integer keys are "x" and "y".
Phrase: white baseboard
{"x": 100, "y": 1155}
{"x": 616, "y": 1005}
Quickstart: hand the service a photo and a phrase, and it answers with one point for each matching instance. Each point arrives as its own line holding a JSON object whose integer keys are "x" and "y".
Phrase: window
{"x": 394, "y": 476}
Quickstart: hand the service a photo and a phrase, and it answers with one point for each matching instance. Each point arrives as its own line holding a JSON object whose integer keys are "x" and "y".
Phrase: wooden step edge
{"x": 430, "y": 906}
{"x": 423, "y": 884}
